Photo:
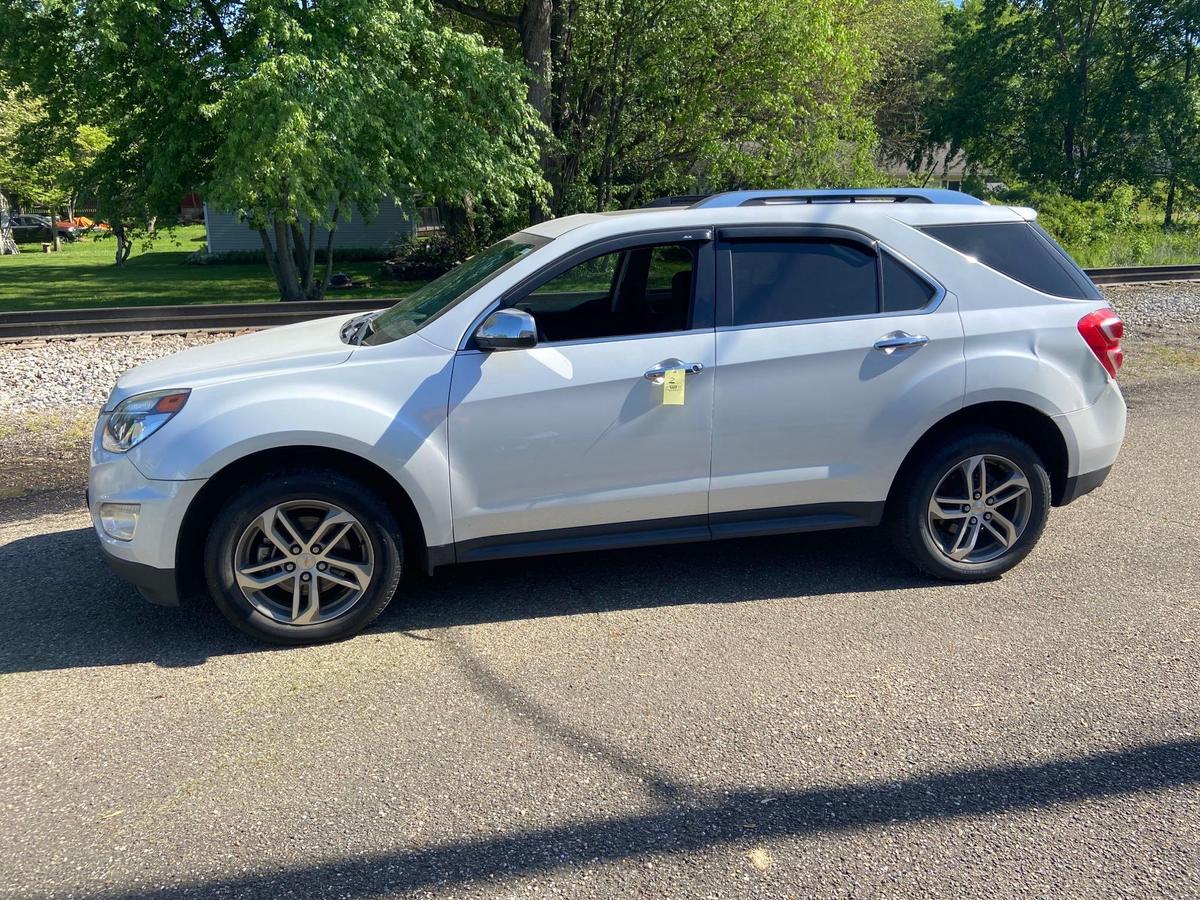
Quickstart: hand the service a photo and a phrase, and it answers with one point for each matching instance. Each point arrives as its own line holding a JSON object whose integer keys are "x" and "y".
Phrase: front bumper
{"x": 156, "y": 585}
{"x": 148, "y": 560}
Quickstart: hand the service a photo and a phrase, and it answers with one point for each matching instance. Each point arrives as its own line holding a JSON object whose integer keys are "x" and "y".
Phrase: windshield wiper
{"x": 359, "y": 328}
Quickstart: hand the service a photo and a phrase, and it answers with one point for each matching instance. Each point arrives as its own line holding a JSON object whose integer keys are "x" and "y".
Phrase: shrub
{"x": 1120, "y": 230}
{"x": 425, "y": 258}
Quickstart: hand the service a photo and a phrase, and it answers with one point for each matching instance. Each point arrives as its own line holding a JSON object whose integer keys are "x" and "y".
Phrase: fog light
{"x": 119, "y": 520}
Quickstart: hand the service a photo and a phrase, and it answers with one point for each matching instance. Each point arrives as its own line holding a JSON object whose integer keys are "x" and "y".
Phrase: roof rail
{"x": 678, "y": 200}
{"x": 835, "y": 195}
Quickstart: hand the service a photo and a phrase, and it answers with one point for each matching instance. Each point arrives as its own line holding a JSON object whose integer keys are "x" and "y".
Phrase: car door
{"x": 834, "y": 355}
{"x": 569, "y": 444}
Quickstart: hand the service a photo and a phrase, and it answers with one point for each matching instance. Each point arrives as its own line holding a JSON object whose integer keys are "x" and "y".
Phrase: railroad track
{"x": 237, "y": 316}
{"x": 1142, "y": 274}
{"x": 192, "y": 317}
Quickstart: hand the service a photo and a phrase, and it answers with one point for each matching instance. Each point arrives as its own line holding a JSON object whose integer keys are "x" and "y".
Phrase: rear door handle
{"x": 900, "y": 340}
{"x": 659, "y": 372}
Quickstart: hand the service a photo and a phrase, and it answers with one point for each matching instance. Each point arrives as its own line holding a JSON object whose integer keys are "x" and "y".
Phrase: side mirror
{"x": 507, "y": 329}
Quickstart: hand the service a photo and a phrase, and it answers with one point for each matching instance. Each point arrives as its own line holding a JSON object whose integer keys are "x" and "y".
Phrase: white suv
{"x": 741, "y": 364}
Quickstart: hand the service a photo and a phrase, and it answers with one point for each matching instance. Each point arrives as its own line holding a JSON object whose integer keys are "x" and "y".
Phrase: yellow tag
{"x": 673, "y": 387}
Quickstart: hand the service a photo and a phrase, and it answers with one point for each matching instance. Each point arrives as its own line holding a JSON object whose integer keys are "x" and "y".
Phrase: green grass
{"x": 82, "y": 275}
{"x": 1142, "y": 245}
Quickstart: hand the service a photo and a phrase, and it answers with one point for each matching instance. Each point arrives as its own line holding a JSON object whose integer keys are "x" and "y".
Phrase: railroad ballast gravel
{"x": 60, "y": 372}
{"x": 72, "y": 372}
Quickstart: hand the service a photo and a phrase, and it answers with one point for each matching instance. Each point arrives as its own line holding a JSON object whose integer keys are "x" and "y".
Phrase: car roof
{"x": 844, "y": 213}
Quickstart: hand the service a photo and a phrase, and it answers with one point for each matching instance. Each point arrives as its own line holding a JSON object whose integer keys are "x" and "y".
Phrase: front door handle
{"x": 900, "y": 340}
{"x": 659, "y": 372}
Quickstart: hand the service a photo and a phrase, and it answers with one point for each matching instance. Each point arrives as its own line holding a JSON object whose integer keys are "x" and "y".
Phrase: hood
{"x": 305, "y": 345}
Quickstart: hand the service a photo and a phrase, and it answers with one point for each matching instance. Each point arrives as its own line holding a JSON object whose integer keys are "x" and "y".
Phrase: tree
{"x": 657, "y": 96}
{"x": 291, "y": 112}
{"x": 906, "y": 35}
{"x": 1174, "y": 92}
{"x": 1074, "y": 93}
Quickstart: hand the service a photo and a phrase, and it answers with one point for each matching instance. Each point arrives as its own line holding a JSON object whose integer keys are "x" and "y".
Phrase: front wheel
{"x": 974, "y": 508}
{"x": 303, "y": 557}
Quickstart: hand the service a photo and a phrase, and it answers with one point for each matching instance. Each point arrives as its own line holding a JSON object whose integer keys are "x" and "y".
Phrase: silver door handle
{"x": 660, "y": 371}
{"x": 900, "y": 340}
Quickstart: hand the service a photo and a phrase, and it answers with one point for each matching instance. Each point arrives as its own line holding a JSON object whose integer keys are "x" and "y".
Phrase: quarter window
{"x": 1022, "y": 252}
{"x": 903, "y": 288}
{"x": 785, "y": 280}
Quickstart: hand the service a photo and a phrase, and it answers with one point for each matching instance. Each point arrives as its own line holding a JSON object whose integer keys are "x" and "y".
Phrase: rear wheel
{"x": 303, "y": 557}
{"x": 974, "y": 508}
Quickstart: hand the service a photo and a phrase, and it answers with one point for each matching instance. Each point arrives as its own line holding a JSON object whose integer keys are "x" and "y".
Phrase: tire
{"x": 311, "y": 505}
{"x": 931, "y": 534}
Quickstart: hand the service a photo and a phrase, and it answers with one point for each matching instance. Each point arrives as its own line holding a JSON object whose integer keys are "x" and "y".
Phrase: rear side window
{"x": 1022, "y": 252}
{"x": 785, "y": 280}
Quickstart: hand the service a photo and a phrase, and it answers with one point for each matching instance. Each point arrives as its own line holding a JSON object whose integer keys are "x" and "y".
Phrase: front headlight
{"x": 138, "y": 417}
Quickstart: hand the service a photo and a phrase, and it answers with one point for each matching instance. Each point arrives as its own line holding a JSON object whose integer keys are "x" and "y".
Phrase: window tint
{"x": 641, "y": 290}
{"x": 788, "y": 280}
{"x": 1017, "y": 250}
{"x": 902, "y": 287}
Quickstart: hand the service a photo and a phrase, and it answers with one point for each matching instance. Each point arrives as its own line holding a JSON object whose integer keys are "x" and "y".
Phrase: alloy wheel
{"x": 979, "y": 509}
{"x": 303, "y": 562}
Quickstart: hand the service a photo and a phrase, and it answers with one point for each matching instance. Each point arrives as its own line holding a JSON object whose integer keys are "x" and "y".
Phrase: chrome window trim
{"x": 600, "y": 340}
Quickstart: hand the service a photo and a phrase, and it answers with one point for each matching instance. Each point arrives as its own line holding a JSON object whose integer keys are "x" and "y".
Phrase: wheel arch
{"x": 1026, "y": 422}
{"x": 189, "y": 548}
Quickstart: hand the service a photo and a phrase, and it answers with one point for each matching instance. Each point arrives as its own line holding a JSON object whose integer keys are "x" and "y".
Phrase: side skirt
{"x": 683, "y": 529}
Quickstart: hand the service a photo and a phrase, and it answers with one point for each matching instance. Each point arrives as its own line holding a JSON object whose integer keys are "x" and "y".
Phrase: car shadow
{"x": 63, "y": 608}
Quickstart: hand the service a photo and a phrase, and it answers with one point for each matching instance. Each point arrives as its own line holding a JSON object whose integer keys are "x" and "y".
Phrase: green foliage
{"x": 906, "y": 36}
{"x": 43, "y": 161}
{"x": 1080, "y": 94}
{"x": 1118, "y": 231}
{"x": 653, "y": 97}
{"x": 285, "y": 111}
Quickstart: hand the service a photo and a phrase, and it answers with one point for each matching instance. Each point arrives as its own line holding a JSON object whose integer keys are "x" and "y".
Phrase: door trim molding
{"x": 651, "y": 532}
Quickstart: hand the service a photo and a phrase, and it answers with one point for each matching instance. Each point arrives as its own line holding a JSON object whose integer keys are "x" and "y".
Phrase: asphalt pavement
{"x": 783, "y": 717}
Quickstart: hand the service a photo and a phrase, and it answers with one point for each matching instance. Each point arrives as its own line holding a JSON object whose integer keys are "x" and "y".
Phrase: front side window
{"x": 428, "y": 302}
{"x": 639, "y": 290}
{"x": 788, "y": 280}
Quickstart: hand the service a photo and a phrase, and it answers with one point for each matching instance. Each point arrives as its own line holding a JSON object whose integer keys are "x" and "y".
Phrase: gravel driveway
{"x": 780, "y": 717}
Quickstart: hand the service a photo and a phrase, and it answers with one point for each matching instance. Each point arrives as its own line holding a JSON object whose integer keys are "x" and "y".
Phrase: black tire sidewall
{"x": 914, "y": 535}
{"x": 328, "y": 486}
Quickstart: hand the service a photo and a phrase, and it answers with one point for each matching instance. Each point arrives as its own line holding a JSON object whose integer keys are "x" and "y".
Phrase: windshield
{"x": 427, "y": 303}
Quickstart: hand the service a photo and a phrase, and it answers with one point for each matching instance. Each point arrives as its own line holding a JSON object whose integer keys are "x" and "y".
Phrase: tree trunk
{"x": 324, "y": 283}
{"x": 289, "y": 283}
{"x": 269, "y": 253}
{"x": 310, "y": 263}
{"x": 118, "y": 231}
{"x": 299, "y": 254}
{"x": 54, "y": 231}
{"x": 535, "y": 26}
{"x": 1169, "y": 212}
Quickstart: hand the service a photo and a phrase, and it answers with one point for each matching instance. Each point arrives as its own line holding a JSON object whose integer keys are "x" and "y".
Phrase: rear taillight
{"x": 1102, "y": 330}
